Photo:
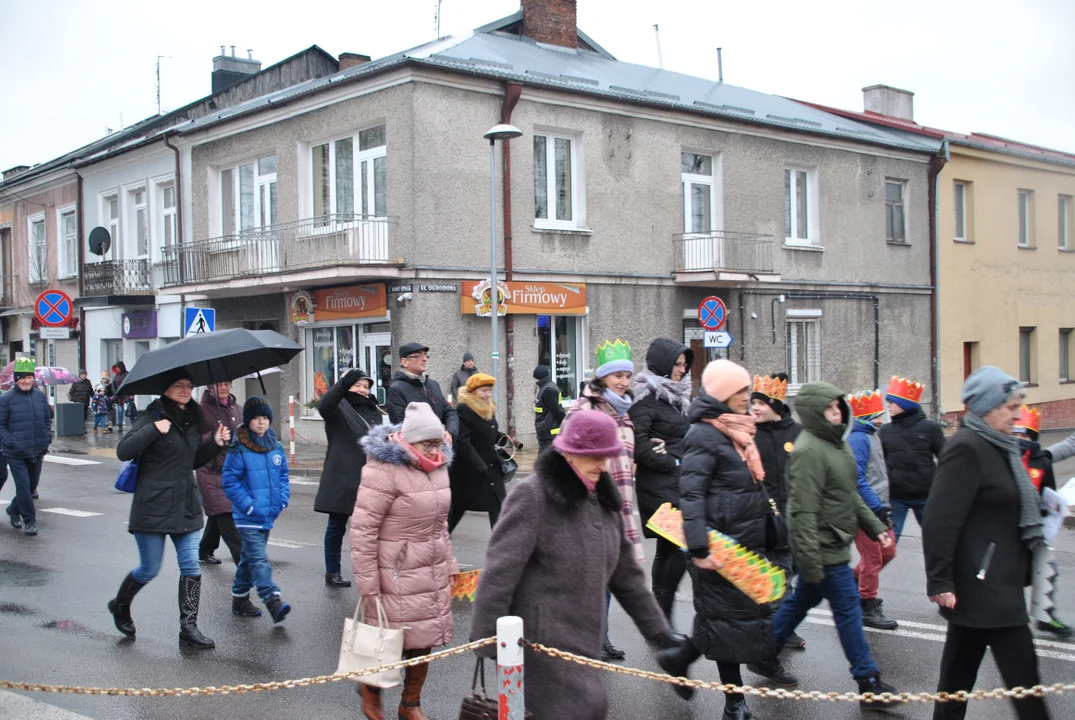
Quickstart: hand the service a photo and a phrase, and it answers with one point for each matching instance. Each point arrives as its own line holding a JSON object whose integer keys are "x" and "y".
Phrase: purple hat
{"x": 589, "y": 432}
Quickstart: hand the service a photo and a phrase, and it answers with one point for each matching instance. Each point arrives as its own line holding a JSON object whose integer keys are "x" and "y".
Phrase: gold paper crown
{"x": 1029, "y": 419}
{"x": 866, "y": 404}
{"x": 771, "y": 387}
{"x": 609, "y": 351}
{"x": 905, "y": 389}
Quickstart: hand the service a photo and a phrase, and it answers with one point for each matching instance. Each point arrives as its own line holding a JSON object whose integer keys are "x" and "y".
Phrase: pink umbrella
{"x": 42, "y": 376}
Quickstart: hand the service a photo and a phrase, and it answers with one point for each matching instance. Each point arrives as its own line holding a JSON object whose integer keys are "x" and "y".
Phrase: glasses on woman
{"x": 428, "y": 446}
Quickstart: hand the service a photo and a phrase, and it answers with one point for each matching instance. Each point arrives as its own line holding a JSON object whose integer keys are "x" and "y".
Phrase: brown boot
{"x": 410, "y": 704}
{"x": 371, "y": 702}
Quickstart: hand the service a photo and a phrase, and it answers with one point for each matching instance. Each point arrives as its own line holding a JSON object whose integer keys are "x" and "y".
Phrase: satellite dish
{"x": 100, "y": 241}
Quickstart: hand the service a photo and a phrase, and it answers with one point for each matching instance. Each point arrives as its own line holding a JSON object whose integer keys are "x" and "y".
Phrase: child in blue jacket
{"x": 255, "y": 480}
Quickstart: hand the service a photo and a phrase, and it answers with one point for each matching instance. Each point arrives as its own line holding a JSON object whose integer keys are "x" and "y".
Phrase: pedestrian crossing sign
{"x": 199, "y": 321}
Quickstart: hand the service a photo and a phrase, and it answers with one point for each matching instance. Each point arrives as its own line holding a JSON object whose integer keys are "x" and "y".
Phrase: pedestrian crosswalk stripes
{"x": 61, "y": 460}
{"x": 69, "y": 511}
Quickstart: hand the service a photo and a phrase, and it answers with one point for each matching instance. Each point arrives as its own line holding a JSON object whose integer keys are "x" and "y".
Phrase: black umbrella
{"x": 210, "y": 358}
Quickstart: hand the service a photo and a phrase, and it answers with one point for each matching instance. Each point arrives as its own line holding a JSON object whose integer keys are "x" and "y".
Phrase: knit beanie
{"x": 541, "y": 372}
{"x": 905, "y": 404}
{"x": 589, "y": 432}
{"x": 478, "y": 380}
{"x": 420, "y": 424}
{"x": 988, "y": 387}
{"x": 723, "y": 378}
{"x": 467, "y": 357}
{"x": 254, "y": 407}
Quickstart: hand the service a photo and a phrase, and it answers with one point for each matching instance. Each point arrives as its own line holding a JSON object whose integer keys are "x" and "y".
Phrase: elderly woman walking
{"x": 476, "y": 475}
{"x": 982, "y": 524}
{"x": 566, "y": 515}
{"x": 400, "y": 547}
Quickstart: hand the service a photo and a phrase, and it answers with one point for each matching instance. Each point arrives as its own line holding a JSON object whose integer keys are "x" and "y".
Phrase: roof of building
{"x": 980, "y": 141}
{"x": 496, "y": 51}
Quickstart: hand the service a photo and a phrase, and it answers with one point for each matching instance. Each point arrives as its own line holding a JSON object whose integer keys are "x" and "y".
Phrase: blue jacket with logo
{"x": 25, "y": 423}
{"x": 255, "y": 480}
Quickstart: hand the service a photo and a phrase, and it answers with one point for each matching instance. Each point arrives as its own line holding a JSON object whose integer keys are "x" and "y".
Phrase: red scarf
{"x": 419, "y": 460}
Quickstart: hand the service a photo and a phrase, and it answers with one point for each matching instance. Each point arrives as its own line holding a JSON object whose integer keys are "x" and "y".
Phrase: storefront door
{"x": 377, "y": 361}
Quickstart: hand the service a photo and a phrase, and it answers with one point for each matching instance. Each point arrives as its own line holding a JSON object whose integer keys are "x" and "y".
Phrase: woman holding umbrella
{"x": 166, "y": 441}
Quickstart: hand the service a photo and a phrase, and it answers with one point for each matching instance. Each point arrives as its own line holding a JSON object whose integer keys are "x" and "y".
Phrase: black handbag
{"x": 478, "y": 705}
{"x": 505, "y": 453}
{"x": 776, "y": 526}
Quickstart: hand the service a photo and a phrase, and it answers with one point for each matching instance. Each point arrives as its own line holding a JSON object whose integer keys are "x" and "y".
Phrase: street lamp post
{"x": 497, "y": 132}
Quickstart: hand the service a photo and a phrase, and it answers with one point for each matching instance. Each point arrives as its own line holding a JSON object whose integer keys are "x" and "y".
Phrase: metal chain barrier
{"x": 240, "y": 689}
{"x": 813, "y": 695}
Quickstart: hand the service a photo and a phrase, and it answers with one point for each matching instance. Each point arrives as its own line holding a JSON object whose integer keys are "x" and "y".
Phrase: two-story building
{"x": 352, "y": 213}
{"x": 1005, "y": 258}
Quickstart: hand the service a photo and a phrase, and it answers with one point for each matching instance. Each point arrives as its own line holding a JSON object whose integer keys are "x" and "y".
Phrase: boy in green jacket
{"x": 824, "y": 514}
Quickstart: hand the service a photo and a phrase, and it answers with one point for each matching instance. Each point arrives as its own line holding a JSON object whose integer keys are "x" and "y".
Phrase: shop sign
{"x": 347, "y": 303}
{"x": 54, "y": 333}
{"x": 302, "y": 307}
{"x": 525, "y": 298}
{"x": 401, "y": 288}
{"x": 140, "y": 324}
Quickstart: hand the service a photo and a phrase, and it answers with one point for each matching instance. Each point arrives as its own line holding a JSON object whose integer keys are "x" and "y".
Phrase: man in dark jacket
{"x": 912, "y": 443}
{"x": 82, "y": 391}
{"x": 461, "y": 376}
{"x": 548, "y": 407}
{"x": 25, "y": 435}
{"x": 824, "y": 514}
{"x": 413, "y": 384}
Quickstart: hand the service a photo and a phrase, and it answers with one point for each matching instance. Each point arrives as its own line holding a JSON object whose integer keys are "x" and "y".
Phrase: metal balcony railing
{"x": 117, "y": 277}
{"x": 325, "y": 241}
{"x": 723, "y": 251}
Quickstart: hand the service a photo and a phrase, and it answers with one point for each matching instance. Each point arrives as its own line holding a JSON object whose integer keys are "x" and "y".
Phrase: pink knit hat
{"x": 589, "y": 432}
{"x": 421, "y": 424}
{"x": 723, "y": 378}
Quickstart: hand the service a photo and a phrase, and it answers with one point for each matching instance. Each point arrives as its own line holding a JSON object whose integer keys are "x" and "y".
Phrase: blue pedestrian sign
{"x": 199, "y": 321}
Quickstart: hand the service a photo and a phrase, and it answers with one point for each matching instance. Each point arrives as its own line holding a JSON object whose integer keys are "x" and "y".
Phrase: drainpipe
{"x": 178, "y": 204}
{"x": 512, "y": 93}
{"x": 80, "y": 228}
{"x": 936, "y": 164}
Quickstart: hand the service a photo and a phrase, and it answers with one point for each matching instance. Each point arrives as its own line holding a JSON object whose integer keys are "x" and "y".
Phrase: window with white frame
{"x": 696, "y": 172}
{"x": 169, "y": 223}
{"x": 67, "y": 257}
{"x": 38, "y": 256}
{"x": 139, "y": 222}
{"x": 1028, "y": 355}
{"x": 959, "y": 204}
{"x": 803, "y": 346}
{"x": 110, "y": 220}
{"x": 557, "y": 189}
{"x": 346, "y": 182}
{"x": 895, "y": 214}
{"x": 1065, "y": 354}
{"x": 800, "y": 206}
{"x": 1026, "y": 218}
{"x": 1063, "y": 222}
{"x": 248, "y": 195}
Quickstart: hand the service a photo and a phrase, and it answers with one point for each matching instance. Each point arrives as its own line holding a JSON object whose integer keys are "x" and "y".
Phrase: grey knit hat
{"x": 420, "y": 424}
{"x": 988, "y": 387}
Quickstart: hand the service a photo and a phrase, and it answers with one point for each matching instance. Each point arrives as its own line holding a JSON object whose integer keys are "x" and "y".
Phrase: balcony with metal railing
{"x": 328, "y": 241}
{"x": 117, "y": 277}
{"x": 724, "y": 256}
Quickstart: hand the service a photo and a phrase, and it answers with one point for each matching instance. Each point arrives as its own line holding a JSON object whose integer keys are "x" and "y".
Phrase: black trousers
{"x": 217, "y": 527}
{"x": 1013, "y": 650}
{"x": 456, "y": 514}
{"x": 730, "y": 674}
{"x": 669, "y": 566}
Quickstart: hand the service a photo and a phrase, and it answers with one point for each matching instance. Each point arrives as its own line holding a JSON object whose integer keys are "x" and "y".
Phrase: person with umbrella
{"x": 25, "y": 435}
{"x": 167, "y": 442}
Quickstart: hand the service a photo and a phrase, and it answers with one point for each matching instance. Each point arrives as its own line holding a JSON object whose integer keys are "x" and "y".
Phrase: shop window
{"x": 332, "y": 351}
{"x": 560, "y": 347}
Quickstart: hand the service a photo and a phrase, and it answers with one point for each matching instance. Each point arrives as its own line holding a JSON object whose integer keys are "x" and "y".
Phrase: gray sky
{"x": 1005, "y": 67}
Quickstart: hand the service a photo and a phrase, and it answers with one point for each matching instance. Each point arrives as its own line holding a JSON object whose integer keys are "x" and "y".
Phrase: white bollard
{"x": 291, "y": 424}
{"x": 509, "y": 668}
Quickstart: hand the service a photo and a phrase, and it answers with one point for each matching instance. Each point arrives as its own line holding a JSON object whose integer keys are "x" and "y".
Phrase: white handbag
{"x": 367, "y": 646}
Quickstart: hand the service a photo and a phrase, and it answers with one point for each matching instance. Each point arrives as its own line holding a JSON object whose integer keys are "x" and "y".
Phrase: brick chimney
{"x": 888, "y": 101}
{"x": 552, "y": 22}
{"x": 229, "y": 70}
{"x": 349, "y": 60}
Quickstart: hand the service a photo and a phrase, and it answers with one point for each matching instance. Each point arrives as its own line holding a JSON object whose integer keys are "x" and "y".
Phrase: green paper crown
{"x": 25, "y": 365}
{"x": 609, "y": 351}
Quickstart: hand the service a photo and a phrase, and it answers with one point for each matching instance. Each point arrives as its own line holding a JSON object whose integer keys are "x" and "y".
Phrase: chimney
{"x": 350, "y": 60}
{"x": 229, "y": 69}
{"x": 552, "y": 22}
{"x": 889, "y": 101}
{"x": 12, "y": 172}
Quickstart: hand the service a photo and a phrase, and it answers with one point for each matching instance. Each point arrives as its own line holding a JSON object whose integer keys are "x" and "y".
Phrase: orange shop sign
{"x": 346, "y": 303}
{"x": 525, "y": 298}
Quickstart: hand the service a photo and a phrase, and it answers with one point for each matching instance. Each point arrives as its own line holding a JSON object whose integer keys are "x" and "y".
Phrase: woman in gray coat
{"x": 566, "y": 515}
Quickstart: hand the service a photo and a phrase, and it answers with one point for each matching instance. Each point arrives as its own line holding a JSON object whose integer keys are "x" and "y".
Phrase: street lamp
{"x": 497, "y": 132}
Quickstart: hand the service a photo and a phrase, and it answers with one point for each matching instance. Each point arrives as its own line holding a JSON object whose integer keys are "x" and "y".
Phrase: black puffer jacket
{"x": 775, "y": 441}
{"x": 406, "y": 389}
{"x": 911, "y": 443}
{"x": 717, "y": 491}
{"x": 338, "y": 488}
{"x": 166, "y": 498}
{"x": 658, "y": 413}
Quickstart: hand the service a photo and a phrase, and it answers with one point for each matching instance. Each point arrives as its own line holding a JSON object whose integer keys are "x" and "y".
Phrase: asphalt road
{"x": 56, "y": 629}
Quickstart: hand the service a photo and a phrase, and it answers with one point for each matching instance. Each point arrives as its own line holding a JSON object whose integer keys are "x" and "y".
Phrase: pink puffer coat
{"x": 399, "y": 542}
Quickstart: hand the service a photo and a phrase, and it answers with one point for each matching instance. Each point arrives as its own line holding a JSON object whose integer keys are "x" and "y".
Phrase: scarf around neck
{"x": 250, "y": 439}
{"x": 419, "y": 460}
{"x": 741, "y": 429}
{"x": 1029, "y": 501}
{"x": 620, "y": 403}
{"x": 676, "y": 394}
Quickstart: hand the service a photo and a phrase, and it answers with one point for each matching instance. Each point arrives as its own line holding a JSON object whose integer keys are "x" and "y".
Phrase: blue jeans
{"x": 899, "y": 513}
{"x": 151, "y": 552}
{"x": 335, "y": 532}
{"x": 25, "y": 472}
{"x": 840, "y": 589}
{"x": 100, "y": 421}
{"x": 254, "y": 568}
